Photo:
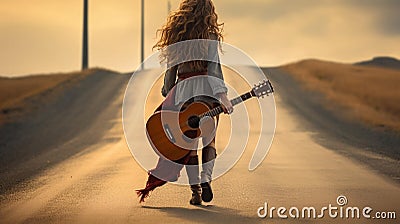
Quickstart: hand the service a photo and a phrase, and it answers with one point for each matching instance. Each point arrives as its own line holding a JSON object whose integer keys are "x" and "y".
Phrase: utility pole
{"x": 169, "y": 6}
{"x": 142, "y": 38}
{"x": 85, "y": 55}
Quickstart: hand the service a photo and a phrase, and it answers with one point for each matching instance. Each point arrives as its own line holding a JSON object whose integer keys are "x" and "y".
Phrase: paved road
{"x": 95, "y": 183}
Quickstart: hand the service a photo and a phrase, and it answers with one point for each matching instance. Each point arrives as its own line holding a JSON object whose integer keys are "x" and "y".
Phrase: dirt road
{"x": 90, "y": 174}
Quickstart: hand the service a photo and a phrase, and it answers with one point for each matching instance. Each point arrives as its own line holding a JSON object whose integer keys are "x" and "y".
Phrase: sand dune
{"x": 369, "y": 94}
{"x": 14, "y": 91}
{"x": 67, "y": 161}
{"x": 56, "y": 117}
{"x": 383, "y": 62}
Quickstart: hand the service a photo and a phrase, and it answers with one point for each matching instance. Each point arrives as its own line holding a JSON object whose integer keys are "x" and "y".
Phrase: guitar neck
{"x": 235, "y": 101}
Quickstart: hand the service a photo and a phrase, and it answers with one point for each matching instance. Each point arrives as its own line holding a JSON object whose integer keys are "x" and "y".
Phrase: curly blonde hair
{"x": 194, "y": 19}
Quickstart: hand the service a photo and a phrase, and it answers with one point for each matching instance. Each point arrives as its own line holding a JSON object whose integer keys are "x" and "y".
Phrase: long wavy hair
{"x": 194, "y": 19}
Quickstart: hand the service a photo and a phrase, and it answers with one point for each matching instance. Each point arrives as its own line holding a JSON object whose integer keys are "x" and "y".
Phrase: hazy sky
{"x": 42, "y": 36}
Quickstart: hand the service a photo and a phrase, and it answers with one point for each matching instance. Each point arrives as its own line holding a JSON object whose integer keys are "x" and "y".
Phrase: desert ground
{"x": 64, "y": 159}
{"x": 366, "y": 93}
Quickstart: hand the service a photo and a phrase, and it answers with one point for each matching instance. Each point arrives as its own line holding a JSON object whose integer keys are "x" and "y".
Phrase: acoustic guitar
{"x": 172, "y": 134}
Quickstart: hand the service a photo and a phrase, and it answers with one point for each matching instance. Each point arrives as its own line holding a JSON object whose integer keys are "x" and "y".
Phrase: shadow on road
{"x": 207, "y": 214}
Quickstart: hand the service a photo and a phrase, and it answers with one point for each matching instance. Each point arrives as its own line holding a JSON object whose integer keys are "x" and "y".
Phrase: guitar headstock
{"x": 262, "y": 89}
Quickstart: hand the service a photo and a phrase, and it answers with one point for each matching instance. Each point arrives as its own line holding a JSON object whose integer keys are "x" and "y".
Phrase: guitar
{"x": 172, "y": 134}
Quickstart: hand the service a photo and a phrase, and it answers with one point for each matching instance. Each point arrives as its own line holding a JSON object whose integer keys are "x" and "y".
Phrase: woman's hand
{"x": 226, "y": 103}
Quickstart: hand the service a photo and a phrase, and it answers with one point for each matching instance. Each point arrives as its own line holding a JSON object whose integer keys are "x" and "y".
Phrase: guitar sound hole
{"x": 192, "y": 134}
{"x": 194, "y": 121}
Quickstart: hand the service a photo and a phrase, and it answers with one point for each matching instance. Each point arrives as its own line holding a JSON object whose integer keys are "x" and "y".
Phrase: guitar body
{"x": 173, "y": 136}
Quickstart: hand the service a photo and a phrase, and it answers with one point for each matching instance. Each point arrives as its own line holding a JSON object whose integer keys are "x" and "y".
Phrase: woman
{"x": 199, "y": 80}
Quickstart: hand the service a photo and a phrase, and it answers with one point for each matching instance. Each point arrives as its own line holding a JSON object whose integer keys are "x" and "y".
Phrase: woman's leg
{"x": 209, "y": 154}
{"x": 192, "y": 170}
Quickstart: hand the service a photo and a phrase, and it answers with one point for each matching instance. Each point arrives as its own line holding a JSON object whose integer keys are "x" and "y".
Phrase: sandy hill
{"x": 369, "y": 94}
{"x": 47, "y": 118}
{"x": 384, "y": 62}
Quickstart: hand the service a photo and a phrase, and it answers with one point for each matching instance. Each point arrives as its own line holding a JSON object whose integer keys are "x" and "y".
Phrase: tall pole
{"x": 85, "y": 54}
{"x": 142, "y": 38}
{"x": 169, "y": 6}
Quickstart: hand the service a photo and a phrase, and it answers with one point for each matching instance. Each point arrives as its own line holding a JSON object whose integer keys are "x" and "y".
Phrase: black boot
{"x": 196, "y": 195}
